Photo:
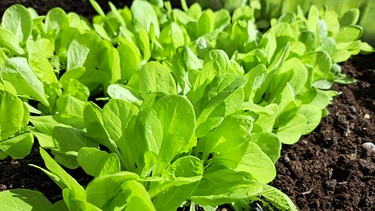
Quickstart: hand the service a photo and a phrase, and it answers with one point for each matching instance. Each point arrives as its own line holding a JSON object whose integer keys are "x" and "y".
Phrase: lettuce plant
{"x": 173, "y": 108}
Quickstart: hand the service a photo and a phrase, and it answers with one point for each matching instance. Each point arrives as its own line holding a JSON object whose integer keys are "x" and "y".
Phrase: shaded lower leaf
{"x": 278, "y": 198}
{"x": 71, "y": 139}
{"x": 59, "y": 175}
{"x": 221, "y": 185}
{"x": 105, "y": 192}
{"x": 23, "y": 200}
{"x": 96, "y": 162}
{"x": 18, "y": 147}
{"x": 181, "y": 179}
{"x": 75, "y": 203}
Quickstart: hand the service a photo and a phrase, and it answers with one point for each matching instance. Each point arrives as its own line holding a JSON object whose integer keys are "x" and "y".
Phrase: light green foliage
{"x": 96, "y": 162}
{"x": 130, "y": 58}
{"x": 11, "y": 110}
{"x": 122, "y": 92}
{"x": 18, "y": 20}
{"x": 60, "y": 176}
{"x": 145, "y": 17}
{"x": 67, "y": 142}
{"x": 10, "y": 41}
{"x": 222, "y": 185}
{"x": 121, "y": 190}
{"x": 17, "y": 71}
{"x": 73, "y": 193}
{"x": 167, "y": 107}
{"x": 350, "y": 12}
{"x": 154, "y": 77}
{"x": 165, "y": 130}
{"x": 38, "y": 54}
{"x": 14, "y": 116}
{"x": 43, "y": 128}
{"x": 269, "y": 143}
{"x": 179, "y": 180}
{"x": 277, "y": 198}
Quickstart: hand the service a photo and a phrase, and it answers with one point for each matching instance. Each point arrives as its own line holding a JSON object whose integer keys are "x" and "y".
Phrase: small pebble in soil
{"x": 353, "y": 109}
{"x": 370, "y": 147}
{"x": 286, "y": 159}
{"x": 330, "y": 173}
{"x": 303, "y": 141}
{"x": 366, "y": 116}
{"x": 15, "y": 164}
{"x": 331, "y": 184}
{"x": 3, "y": 187}
{"x": 296, "y": 168}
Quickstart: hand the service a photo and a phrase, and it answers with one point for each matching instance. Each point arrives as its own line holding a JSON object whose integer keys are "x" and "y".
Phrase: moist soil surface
{"x": 329, "y": 169}
{"x": 326, "y": 170}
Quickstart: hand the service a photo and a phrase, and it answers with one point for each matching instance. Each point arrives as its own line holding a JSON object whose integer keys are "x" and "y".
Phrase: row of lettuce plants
{"x": 165, "y": 107}
{"x": 268, "y": 9}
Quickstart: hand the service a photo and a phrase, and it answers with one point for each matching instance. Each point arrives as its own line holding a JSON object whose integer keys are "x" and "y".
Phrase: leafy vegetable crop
{"x": 363, "y": 7}
{"x": 165, "y": 107}
{"x": 268, "y": 9}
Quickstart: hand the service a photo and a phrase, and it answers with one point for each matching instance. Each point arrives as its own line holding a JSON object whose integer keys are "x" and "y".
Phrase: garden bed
{"x": 329, "y": 169}
{"x": 326, "y": 170}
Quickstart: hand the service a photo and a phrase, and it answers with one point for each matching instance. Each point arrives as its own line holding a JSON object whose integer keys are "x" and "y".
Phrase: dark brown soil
{"x": 326, "y": 170}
